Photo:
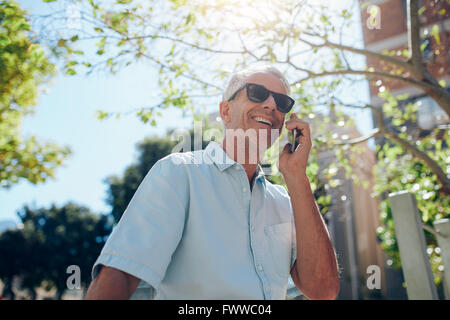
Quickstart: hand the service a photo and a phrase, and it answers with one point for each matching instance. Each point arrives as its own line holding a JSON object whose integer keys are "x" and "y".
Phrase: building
{"x": 384, "y": 24}
{"x": 352, "y": 219}
{"x": 391, "y": 36}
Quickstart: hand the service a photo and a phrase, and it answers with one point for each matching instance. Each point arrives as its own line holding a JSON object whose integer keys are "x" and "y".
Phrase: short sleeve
{"x": 143, "y": 241}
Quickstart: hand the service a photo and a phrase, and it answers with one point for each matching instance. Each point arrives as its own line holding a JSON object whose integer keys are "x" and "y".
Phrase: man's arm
{"x": 315, "y": 272}
{"x": 112, "y": 284}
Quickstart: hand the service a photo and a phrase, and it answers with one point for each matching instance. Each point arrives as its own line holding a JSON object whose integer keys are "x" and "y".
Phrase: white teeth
{"x": 265, "y": 121}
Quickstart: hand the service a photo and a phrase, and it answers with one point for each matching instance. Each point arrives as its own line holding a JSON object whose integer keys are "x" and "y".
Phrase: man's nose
{"x": 270, "y": 103}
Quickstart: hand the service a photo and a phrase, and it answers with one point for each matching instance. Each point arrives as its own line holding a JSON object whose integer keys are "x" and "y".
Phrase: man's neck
{"x": 233, "y": 152}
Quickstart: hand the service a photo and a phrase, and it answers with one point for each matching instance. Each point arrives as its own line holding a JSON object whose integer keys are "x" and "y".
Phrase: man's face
{"x": 245, "y": 114}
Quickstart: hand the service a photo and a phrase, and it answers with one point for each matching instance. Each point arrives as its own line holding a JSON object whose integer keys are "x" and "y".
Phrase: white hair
{"x": 239, "y": 78}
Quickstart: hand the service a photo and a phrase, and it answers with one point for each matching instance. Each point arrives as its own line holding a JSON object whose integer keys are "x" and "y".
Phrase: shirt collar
{"x": 220, "y": 158}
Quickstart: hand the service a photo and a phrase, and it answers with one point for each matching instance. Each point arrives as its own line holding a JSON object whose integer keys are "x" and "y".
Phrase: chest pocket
{"x": 278, "y": 238}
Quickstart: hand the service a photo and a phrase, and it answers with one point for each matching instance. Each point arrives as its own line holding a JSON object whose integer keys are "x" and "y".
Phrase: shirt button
{"x": 244, "y": 189}
{"x": 253, "y": 228}
{"x": 237, "y": 167}
{"x": 260, "y": 268}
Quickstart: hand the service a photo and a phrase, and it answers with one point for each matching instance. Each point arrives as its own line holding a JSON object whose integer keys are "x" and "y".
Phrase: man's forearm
{"x": 112, "y": 284}
{"x": 316, "y": 259}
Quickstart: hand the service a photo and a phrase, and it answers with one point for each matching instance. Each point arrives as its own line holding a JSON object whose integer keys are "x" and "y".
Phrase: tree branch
{"x": 389, "y": 59}
{"x": 414, "y": 39}
{"x": 434, "y": 167}
{"x": 421, "y": 78}
{"x": 420, "y": 84}
{"x": 412, "y": 149}
{"x": 375, "y": 132}
{"x": 183, "y": 74}
{"x": 192, "y": 45}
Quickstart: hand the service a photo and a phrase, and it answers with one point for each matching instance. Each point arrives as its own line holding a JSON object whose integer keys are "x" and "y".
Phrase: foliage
{"x": 122, "y": 189}
{"x": 51, "y": 240}
{"x": 24, "y": 66}
{"x": 15, "y": 248}
{"x": 397, "y": 170}
{"x": 194, "y": 43}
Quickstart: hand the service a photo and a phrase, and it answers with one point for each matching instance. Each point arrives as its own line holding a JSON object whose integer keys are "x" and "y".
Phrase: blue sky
{"x": 66, "y": 115}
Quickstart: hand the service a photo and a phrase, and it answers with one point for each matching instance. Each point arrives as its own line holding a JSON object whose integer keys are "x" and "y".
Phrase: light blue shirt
{"x": 195, "y": 230}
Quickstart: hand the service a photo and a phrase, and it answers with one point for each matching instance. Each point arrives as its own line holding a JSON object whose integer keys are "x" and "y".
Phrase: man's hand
{"x": 315, "y": 271}
{"x": 294, "y": 164}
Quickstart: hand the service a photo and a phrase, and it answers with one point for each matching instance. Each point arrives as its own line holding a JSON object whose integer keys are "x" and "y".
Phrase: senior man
{"x": 216, "y": 228}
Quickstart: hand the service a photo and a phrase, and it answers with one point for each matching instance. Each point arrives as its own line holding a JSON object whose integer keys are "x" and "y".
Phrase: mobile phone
{"x": 295, "y": 139}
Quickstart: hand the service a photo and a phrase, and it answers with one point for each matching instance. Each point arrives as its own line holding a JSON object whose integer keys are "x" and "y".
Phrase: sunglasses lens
{"x": 284, "y": 102}
{"x": 257, "y": 93}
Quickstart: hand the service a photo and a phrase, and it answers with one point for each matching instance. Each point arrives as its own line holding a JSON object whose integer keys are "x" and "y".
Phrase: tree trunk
{"x": 8, "y": 293}
{"x": 33, "y": 293}
{"x": 59, "y": 294}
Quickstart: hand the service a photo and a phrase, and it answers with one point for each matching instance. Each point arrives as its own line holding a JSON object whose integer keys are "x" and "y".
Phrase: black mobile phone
{"x": 296, "y": 134}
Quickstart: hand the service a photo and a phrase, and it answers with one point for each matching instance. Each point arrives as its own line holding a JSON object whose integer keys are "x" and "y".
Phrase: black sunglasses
{"x": 259, "y": 93}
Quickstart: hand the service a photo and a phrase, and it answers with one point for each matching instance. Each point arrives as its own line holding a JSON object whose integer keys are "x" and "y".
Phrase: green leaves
{"x": 24, "y": 67}
{"x": 421, "y": 10}
{"x": 101, "y": 115}
{"x": 190, "y": 18}
{"x": 398, "y": 170}
{"x": 423, "y": 46}
{"x": 122, "y": 188}
{"x": 49, "y": 241}
{"x": 177, "y": 3}
{"x": 101, "y": 46}
{"x": 145, "y": 115}
{"x": 435, "y": 33}
{"x": 70, "y": 72}
{"x": 61, "y": 42}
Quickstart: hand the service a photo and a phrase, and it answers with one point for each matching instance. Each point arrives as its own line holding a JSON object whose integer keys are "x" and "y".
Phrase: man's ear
{"x": 225, "y": 112}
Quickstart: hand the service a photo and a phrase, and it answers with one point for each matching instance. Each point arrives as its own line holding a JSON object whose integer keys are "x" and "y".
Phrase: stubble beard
{"x": 249, "y": 146}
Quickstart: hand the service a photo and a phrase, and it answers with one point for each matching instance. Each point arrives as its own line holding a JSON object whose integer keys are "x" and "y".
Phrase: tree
{"x": 21, "y": 252}
{"x": 24, "y": 66}
{"x": 11, "y": 242}
{"x": 288, "y": 34}
{"x": 50, "y": 241}
{"x": 194, "y": 43}
{"x": 72, "y": 235}
{"x": 122, "y": 189}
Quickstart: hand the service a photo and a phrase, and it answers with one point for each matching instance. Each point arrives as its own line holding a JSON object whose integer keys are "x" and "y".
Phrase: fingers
{"x": 295, "y": 123}
{"x": 286, "y": 148}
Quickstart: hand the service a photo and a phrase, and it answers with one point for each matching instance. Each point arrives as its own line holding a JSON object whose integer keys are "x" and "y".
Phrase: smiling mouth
{"x": 263, "y": 121}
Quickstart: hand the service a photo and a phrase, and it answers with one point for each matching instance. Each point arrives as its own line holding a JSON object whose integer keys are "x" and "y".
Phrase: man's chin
{"x": 262, "y": 138}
